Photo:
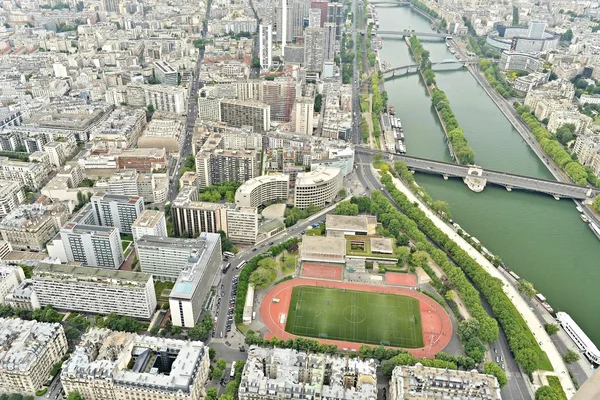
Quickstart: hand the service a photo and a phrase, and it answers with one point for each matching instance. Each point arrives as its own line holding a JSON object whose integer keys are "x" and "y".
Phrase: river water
{"x": 541, "y": 239}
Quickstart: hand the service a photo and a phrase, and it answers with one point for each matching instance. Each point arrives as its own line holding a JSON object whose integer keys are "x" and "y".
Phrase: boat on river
{"x": 584, "y": 218}
{"x": 392, "y": 110}
{"x": 579, "y": 209}
{"x": 595, "y": 229}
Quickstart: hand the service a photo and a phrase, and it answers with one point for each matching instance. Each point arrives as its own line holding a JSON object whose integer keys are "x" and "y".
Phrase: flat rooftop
{"x": 347, "y": 223}
{"x": 148, "y": 219}
{"x": 319, "y": 176}
{"x": 314, "y": 247}
{"x": 382, "y": 245}
{"x": 51, "y": 270}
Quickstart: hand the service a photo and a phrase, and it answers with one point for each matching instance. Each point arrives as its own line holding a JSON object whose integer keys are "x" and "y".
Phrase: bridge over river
{"x": 476, "y": 177}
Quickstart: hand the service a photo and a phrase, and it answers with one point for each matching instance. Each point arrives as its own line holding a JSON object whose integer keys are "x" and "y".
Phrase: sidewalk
{"x": 528, "y": 315}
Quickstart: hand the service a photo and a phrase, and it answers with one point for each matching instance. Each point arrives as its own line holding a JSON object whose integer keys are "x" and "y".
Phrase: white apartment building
{"x": 318, "y": 187}
{"x": 164, "y": 257}
{"x": 97, "y": 369}
{"x": 92, "y": 245}
{"x": 560, "y": 118}
{"x": 151, "y": 223}
{"x": 95, "y": 290}
{"x": 31, "y": 226}
{"x": 194, "y": 284}
{"x": 57, "y": 153}
{"x": 260, "y": 190}
{"x": 302, "y": 116}
{"x": 589, "y": 99}
{"x": 273, "y": 373}
{"x": 242, "y": 224}
{"x": 11, "y": 195}
{"x": 586, "y": 147}
{"x": 29, "y": 351}
{"x": 10, "y": 278}
{"x": 164, "y": 131}
{"x": 30, "y": 174}
{"x": 166, "y": 98}
{"x": 436, "y": 383}
{"x": 265, "y": 44}
{"x": 116, "y": 210}
{"x": 152, "y": 187}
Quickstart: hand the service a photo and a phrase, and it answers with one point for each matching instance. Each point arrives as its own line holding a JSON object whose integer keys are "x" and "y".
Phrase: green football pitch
{"x": 354, "y": 316}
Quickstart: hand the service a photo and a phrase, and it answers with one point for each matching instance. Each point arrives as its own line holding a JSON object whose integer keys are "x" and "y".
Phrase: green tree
{"x": 75, "y": 396}
{"x": 526, "y": 288}
{"x": 492, "y": 368}
{"x": 571, "y": 356}
{"x": 567, "y": 36}
{"x": 365, "y": 351}
{"x": 346, "y": 208}
{"x": 515, "y": 18}
{"x": 212, "y": 353}
{"x": 551, "y": 329}
{"x": 547, "y": 393}
{"x": 201, "y": 330}
{"x": 318, "y": 102}
{"x": 527, "y": 359}
{"x": 441, "y": 207}
{"x": 211, "y": 394}
{"x": 596, "y": 203}
{"x": 565, "y": 134}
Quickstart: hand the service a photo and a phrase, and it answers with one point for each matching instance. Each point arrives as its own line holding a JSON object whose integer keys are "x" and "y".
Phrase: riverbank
{"x": 510, "y": 291}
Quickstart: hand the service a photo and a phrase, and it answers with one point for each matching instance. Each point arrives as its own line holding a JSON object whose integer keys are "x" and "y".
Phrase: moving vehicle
{"x": 226, "y": 267}
{"x": 232, "y": 373}
{"x": 228, "y": 254}
{"x": 241, "y": 265}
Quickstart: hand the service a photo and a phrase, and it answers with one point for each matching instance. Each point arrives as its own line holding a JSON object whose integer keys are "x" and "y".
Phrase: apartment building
{"x": 116, "y": 210}
{"x": 242, "y": 225}
{"x": 142, "y": 160}
{"x": 192, "y": 217}
{"x": 302, "y": 117}
{"x": 166, "y": 98}
{"x": 218, "y": 165}
{"x": 240, "y": 113}
{"x": 91, "y": 245}
{"x": 194, "y": 284}
{"x": 57, "y": 153}
{"x": 165, "y": 73}
{"x": 273, "y": 373}
{"x": 29, "y": 351}
{"x": 260, "y": 190}
{"x": 29, "y": 174}
{"x": 97, "y": 369}
{"x": 11, "y": 195}
{"x": 152, "y": 187}
{"x": 313, "y": 49}
{"x": 165, "y": 131}
{"x": 31, "y": 226}
{"x": 318, "y": 187}
{"x": 559, "y": 118}
{"x": 436, "y": 383}
{"x": 95, "y": 290}
{"x": 151, "y": 223}
{"x": 164, "y": 258}
{"x": 121, "y": 129}
{"x": 10, "y": 278}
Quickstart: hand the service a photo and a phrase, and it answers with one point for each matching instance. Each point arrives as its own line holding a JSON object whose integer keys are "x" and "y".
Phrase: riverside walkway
{"x": 528, "y": 315}
{"x": 509, "y": 181}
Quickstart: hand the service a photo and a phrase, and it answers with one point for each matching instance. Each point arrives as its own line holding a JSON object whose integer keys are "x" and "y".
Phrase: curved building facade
{"x": 257, "y": 191}
{"x": 318, "y": 187}
{"x": 519, "y": 61}
{"x": 531, "y": 39}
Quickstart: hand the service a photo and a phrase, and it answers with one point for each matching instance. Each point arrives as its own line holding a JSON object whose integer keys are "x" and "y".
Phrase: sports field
{"x": 354, "y": 316}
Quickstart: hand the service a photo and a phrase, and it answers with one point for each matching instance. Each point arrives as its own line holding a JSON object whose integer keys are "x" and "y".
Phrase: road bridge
{"x": 404, "y": 33}
{"x": 477, "y": 177}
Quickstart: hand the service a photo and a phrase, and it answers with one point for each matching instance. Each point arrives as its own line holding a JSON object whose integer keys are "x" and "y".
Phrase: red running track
{"x": 437, "y": 327}
{"x": 400, "y": 279}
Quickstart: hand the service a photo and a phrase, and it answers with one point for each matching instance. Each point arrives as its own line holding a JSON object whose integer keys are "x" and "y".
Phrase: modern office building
{"x": 109, "y": 365}
{"x": 116, "y": 210}
{"x": 31, "y": 226}
{"x": 29, "y": 350}
{"x": 419, "y": 382}
{"x": 164, "y": 258}
{"x": 91, "y": 245}
{"x": 318, "y": 187}
{"x": 240, "y": 113}
{"x": 273, "y": 373}
{"x": 10, "y": 278}
{"x": 95, "y": 290}
{"x": 265, "y": 45}
{"x": 260, "y": 190}
{"x": 242, "y": 225}
{"x": 520, "y": 61}
{"x": 11, "y": 195}
{"x": 218, "y": 165}
{"x": 194, "y": 284}
{"x": 150, "y": 222}
{"x": 165, "y": 73}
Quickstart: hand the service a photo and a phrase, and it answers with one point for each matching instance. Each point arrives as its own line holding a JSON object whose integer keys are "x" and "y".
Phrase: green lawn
{"x": 125, "y": 243}
{"x": 353, "y": 316}
{"x": 367, "y": 251}
{"x": 162, "y": 289}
